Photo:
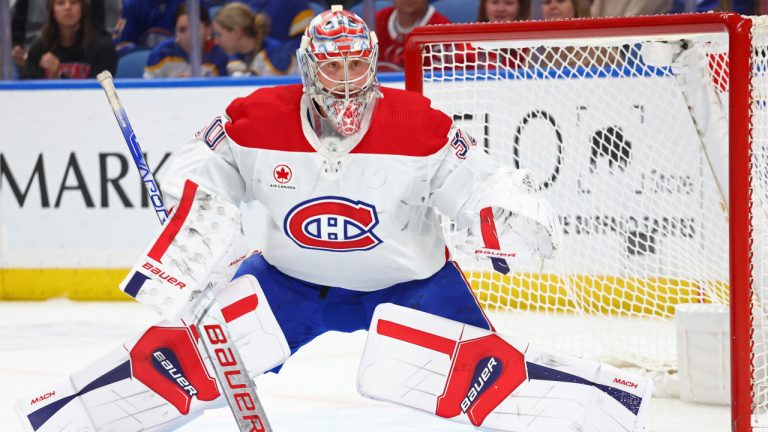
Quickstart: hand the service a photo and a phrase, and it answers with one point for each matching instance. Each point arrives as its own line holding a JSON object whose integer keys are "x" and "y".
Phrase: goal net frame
{"x": 738, "y": 29}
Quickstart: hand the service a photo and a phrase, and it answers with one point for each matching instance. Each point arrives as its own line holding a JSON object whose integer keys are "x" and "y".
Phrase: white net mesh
{"x": 629, "y": 138}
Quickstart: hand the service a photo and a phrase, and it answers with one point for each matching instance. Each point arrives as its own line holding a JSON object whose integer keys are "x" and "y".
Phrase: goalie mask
{"x": 337, "y": 59}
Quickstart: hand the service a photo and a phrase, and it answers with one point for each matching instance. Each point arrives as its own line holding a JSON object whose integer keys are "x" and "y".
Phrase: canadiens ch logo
{"x": 334, "y": 224}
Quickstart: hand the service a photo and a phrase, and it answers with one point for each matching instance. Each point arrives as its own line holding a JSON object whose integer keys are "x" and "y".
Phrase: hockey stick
{"x": 241, "y": 396}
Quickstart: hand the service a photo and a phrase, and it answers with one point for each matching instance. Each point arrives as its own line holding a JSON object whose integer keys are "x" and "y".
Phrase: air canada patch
{"x": 282, "y": 174}
{"x": 333, "y": 224}
{"x": 213, "y": 134}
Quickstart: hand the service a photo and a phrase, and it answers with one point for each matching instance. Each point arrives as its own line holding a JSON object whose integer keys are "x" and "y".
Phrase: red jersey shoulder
{"x": 277, "y": 98}
{"x": 382, "y": 17}
{"x": 268, "y": 118}
{"x": 405, "y": 124}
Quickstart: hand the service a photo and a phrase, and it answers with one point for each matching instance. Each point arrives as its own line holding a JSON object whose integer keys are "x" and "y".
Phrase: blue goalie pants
{"x": 305, "y": 310}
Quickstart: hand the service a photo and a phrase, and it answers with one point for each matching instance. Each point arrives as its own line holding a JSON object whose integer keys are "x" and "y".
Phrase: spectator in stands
{"x": 27, "y": 20}
{"x": 572, "y": 56}
{"x": 243, "y": 35}
{"x": 146, "y": 23}
{"x": 29, "y": 16}
{"x": 560, "y": 9}
{"x": 170, "y": 59}
{"x": 504, "y": 10}
{"x": 288, "y": 18}
{"x": 69, "y": 46}
{"x": 393, "y": 24}
{"x": 496, "y": 11}
{"x": 610, "y": 8}
{"x": 741, "y": 6}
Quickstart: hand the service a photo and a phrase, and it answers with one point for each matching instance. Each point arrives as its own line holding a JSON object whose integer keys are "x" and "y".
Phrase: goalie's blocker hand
{"x": 199, "y": 244}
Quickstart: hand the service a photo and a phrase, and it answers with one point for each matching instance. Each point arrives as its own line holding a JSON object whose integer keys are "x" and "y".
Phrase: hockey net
{"x": 625, "y": 122}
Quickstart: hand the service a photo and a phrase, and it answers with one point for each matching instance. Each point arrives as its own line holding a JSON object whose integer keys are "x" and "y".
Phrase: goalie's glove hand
{"x": 516, "y": 225}
{"x": 530, "y": 237}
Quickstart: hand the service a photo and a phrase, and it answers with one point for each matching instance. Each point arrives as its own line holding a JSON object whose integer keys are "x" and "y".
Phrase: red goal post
{"x": 743, "y": 94}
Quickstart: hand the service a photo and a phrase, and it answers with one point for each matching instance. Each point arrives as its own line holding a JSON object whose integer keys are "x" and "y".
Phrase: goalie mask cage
{"x": 648, "y": 136}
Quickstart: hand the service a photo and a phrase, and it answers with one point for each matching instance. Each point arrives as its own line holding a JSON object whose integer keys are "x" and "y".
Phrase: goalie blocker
{"x": 201, "y": 244}
{"x": 471, "y": 375}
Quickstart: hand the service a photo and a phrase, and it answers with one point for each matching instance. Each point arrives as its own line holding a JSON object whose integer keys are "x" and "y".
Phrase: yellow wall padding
{"x": 75, "y": 284}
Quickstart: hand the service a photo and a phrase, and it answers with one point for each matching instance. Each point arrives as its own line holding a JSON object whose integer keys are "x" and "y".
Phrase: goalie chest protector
{"x": 364, "y": 226}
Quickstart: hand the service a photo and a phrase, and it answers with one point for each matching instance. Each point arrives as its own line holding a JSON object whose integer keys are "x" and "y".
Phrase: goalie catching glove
{"x": 515, "y": 223}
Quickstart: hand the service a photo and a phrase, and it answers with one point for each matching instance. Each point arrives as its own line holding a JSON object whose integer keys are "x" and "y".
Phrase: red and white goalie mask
{"x": 337, "y": 59}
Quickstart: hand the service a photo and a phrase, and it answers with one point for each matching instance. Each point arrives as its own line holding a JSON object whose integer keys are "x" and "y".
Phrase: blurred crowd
{"x": 72, "y": 39}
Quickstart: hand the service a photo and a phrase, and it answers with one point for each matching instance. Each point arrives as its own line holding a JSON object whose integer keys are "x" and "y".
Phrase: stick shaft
{"x": 253, "y": 419}
{"x": 153, "y": 191}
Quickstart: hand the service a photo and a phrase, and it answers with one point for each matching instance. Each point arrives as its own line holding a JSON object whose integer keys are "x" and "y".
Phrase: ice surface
{"x": 42, "y": 341}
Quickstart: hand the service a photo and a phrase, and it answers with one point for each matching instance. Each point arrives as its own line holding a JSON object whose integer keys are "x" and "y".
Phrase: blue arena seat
{"x": 458, "y": 11}
{"x": 132, "y": 64}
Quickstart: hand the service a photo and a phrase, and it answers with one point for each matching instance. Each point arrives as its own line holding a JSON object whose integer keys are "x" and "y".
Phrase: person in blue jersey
{"x": 289, "y": 18}
{"x": 145, "y": 23}
{"x": 170, "y": 59}
{"x": 243, "y": 35}
{"x": 744, "y": 7}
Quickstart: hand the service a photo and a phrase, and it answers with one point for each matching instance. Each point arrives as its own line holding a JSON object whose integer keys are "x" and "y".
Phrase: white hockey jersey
{"x": 364, "y": 220}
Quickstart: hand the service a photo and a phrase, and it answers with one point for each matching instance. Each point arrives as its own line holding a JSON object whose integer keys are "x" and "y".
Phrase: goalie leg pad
{"x": 471, "y": 375}
{"x": 161, "y": 379}
{"x": 156, "y": 381}
{"x": 252, "y": 325}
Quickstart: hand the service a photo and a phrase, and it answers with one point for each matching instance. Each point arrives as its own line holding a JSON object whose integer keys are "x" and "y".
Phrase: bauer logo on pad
{"x": 166, "y": 360}
{"x": 486, "y": 373}
{"x": 492, "y": 379}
